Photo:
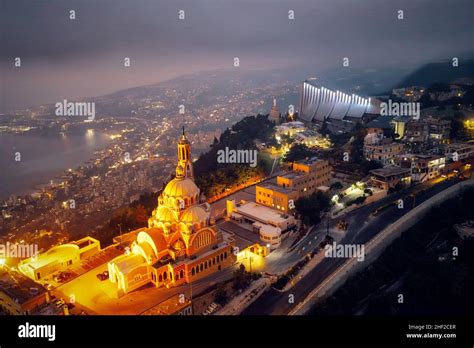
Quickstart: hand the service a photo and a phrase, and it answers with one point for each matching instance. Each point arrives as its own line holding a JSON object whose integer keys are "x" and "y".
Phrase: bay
{"x": 43, "y": 157}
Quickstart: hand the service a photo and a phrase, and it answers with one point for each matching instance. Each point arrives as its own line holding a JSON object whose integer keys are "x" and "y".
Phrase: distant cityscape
{"x": 264, "y": 171}
{"x": 266, "y": 232}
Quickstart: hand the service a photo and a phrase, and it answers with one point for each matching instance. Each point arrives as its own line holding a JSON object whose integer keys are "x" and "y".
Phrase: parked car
{"x": 60, "y": 303}
{"x": 64, "y": 276}
{"x": 103, "y": 276}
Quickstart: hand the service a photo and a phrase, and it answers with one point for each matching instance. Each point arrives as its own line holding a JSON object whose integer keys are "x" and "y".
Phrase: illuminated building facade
{"x": 469, "y": 125}
{"x": 289, "y": 129}
{"x": 318, "y": 104}
{"x": 265, "y": 222}
{"x": 181, "y": 243}
{"x": 388, "y": 177}
{"x": 20, "y": 295}
{"x": 59, "y": 258}
{"x": 416, "y": 131}
{"x": 438, "y": 130}
{"x": 383, "y": 152}
{"x": 423, "y": 167}
{"x": 385, "y": 125}
{"x": 274, "y": 113}
{"x": 311, "y": 138}
{"x": 305, "y": 178}
{"x": 459, "y": 151}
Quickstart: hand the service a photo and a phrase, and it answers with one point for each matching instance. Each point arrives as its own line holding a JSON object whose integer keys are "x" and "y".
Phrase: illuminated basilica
{"x": 181, "y": 243}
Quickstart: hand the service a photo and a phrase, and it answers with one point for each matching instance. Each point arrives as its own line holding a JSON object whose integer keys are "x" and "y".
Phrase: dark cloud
{"x": 64, "y": 58}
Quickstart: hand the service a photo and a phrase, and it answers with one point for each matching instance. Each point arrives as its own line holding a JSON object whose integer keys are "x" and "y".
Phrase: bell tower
{"x": 184, "y": 157}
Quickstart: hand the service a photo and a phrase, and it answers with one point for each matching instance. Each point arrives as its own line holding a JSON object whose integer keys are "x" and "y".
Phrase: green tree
{"x": 336, "y": 186}
{"x": 220, "y": 296}
{"x": 312, "y": 206}
{"x": 298, "y": 152}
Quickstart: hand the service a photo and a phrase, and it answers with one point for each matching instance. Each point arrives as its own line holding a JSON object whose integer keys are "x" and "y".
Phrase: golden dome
{"x": 194, "y": 215}
{"x": 181, "y": 187}
{"x": 165, "y": 214}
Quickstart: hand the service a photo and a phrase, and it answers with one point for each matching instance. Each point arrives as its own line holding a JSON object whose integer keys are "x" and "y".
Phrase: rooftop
{"x": 243, "y": 237}
{"x": 84, "y": 242}
{"x": 292, "y": 124}
{"x": 54, "y": 255}
{"x": 405, "y": 119}
{"x": 383, "y": 143}
{"x": 19, "y": 287}
{"x": 292, "y": 175}
{"x": 460, "y": 145}
{"x": 274, "y": 187}
{"x": 261, "y": 212}
{"x": 390, "y": 171}
{"x": 308, "y": 133}
{"x": 383, "y": 122}
{"x": 419, "y": 156}
{"x": 309, "y": 161}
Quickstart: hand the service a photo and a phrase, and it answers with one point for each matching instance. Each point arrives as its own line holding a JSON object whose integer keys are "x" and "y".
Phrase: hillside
{"x": 442, "y": 72}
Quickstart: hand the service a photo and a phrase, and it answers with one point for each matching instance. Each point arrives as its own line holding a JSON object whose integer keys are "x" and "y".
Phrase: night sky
{"x": 63, "y": 58}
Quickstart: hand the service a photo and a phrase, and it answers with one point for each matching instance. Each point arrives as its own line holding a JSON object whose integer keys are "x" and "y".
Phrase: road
{"x": 362, "y": 228}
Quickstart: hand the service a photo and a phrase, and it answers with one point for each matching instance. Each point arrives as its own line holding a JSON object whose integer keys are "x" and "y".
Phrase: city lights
{"x": 162, "y": 159}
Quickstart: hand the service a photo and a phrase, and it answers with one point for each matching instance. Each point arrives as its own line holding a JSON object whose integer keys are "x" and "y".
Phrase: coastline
{"x": 45, "y": 158}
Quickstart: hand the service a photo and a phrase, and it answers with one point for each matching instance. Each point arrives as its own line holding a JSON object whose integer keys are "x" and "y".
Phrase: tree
{"x": 439, "y": 87}
{"x": 214, "y": 142}
{"x": 273, "y": 142}
{"x": 220, "y": 296}
{"x": 336, "y": 186}
{"x": 457, "y": 125}
{"x": 311, "y": 207}
{"x": 324, "y": 129}
{"x": 367, "y": 166}
{"x": 242, "y": 278}
{"x": 286, "y": 139}
{"x": 298, "y": 152}
{"x": 141, "y": 215}
{"x": 214, "y": 178}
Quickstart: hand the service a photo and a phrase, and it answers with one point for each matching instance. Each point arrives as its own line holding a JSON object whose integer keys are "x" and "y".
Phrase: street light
{"x": 191, "y": 296}
{"x": 249, "y": 257}
{"x": 120, "y": 227}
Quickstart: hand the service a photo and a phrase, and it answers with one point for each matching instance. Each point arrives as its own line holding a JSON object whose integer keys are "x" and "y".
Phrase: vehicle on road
{"x": 211, "y": 308}
{"x": 382, "y": 208}
{"x": 327, "y": 240}
{"x": 60, "y": 303}
{"x": 343, "y": 225}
